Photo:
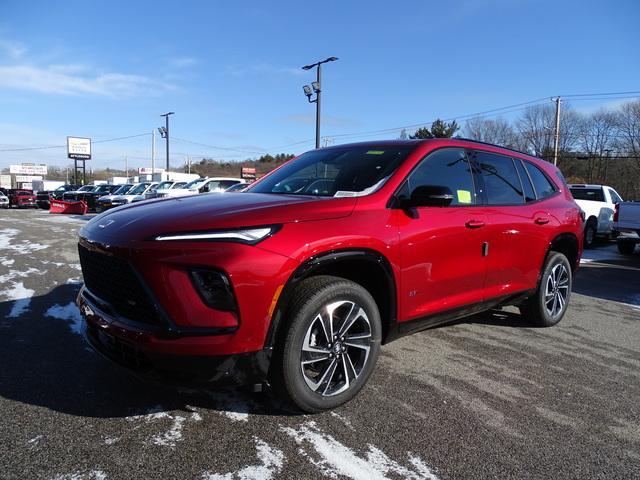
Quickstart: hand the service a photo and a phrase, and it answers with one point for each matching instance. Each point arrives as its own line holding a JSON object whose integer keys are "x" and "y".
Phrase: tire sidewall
{"x": 590, "y": 227}
{"x": 294, "y": 382}
{"x": 554, "y": 259}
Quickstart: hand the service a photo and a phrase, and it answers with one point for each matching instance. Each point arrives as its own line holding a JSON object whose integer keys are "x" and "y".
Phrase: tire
{"x": 626, "y": 247}
{"x": 335, "y": 370}
{"x": 590, "y": 231}
{"x": 549, "y": 304}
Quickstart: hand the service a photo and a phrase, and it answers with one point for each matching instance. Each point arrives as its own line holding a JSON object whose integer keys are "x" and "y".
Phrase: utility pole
{"x": 556, "y": 142}
{"x": 166, "y": 133}
{"x": 317, "y": 89}
{"x": 153, "y": 152}
{"x": 126, "y": 167}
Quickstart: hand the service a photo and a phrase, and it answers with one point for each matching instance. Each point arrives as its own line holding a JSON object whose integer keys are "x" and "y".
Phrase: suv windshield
{"x": 163, "y": 185}
{"x": 122, "y": 189}
{"x": 138, "y": 189}
{"x": 335, "y": 172}
{"x": 86, "y": 188}
{"x": 195, "y": 183}
{"x": 103, "y": 189}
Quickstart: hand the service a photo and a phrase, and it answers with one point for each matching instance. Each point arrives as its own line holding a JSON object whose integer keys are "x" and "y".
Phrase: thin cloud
{"x": 183, "y": 62}
{"x": 309, "y": 119}
{"x": 75, "y": 80}
{"x": 12, "y": 48}
{"x": 261, "y": 69}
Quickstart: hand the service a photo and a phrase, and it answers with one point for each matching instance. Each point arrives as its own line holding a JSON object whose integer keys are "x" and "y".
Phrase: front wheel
{"x": 332, "y": 343}
{"x": 549, "y": 304}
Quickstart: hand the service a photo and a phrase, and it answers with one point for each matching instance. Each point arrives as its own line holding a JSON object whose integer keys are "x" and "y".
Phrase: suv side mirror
{"x": 429, "y": 196}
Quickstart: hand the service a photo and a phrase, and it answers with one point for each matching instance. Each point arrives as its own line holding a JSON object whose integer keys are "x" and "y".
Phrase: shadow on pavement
{"x": 616, "y": 279}
{"x": 46, "y": 361}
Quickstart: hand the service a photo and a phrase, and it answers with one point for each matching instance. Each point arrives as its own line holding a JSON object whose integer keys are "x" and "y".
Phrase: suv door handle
{"x": 474, "y": 224}
{"x": 541, "y": 220}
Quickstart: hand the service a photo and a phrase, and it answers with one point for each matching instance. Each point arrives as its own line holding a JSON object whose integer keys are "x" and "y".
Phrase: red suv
{"x": 299, "y": 280}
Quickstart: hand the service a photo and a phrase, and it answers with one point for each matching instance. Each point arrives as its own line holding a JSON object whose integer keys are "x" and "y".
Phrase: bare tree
{"x": 497, "y": 131}
{"x": 628, "y": 122}
{"x": 536, "y": 127}
{"x": 596, "y": 139}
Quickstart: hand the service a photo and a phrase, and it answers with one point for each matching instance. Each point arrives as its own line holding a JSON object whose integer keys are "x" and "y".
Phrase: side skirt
{"x": 401, "y": 329}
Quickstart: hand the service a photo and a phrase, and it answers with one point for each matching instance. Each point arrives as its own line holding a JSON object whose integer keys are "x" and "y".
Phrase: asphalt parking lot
{"x": 484, "y": 398}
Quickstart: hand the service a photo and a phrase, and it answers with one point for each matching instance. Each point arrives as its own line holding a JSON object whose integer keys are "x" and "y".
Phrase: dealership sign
{"x": 79, "y": 148}
{"x": 28, "y": 169}
{"x": 248, "y": 173}
{"x": 149, "y": 170}
{"x": 27, "y": 178}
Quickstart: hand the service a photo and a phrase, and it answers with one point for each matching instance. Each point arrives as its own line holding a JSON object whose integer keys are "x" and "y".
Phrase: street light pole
{"x": 317, "y": 89}
{"x": 166, "y": 134}
{"x": 318, "y": 97}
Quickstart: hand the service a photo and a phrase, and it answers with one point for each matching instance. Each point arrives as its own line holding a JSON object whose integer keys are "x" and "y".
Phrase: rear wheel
{"x": 590, "y": 230}
{"x": 626, "y": 247}
{"x": 549, "y": 304}
{"x": 331, "y": 345}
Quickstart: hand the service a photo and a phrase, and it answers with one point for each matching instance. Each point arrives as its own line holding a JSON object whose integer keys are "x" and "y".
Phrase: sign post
{"x": 79, "y": 148}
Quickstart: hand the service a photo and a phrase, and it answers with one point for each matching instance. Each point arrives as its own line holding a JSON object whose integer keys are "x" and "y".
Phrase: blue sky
{"x": 231, "y": 70}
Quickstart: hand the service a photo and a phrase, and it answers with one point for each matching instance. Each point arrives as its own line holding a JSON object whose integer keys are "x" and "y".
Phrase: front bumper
{"x": 146, "y": 350}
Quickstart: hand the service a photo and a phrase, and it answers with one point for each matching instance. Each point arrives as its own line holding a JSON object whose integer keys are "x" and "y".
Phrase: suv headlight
{"x": 249, "y": 236}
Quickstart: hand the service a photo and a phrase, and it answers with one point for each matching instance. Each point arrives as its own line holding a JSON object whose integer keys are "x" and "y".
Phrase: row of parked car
{"x": 18, "y": 198}
{"x": 103, "y": 197}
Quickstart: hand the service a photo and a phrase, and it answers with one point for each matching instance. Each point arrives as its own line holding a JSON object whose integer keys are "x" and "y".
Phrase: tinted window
{"x": 501, "y": 181}
{"x": 529, "y": 194}
{"x": 581, "y": 193}
{"x": 615, "y": 198}
{"x": 447, "y": 167}
{"x": 339, "y": 172}
{"x": 544, "y": 188}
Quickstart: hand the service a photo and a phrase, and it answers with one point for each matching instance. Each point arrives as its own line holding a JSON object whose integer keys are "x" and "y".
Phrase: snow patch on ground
{"x": 9, "y": 242}
{"x": 69, "y": 313}
{"x": 7, "y": 277}
{"x": 6, "y": 262}
{"x": 35, "y": 440}
{"x": 271, "y": 462}
{"x": 90, "y": 475}
{"x": 21, "y": 297}
{"x": 336, "y": 460}
{"x": 170, "y": 437}
{"x": 232, "y": 405}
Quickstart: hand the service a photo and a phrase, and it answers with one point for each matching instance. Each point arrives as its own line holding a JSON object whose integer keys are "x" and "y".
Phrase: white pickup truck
{"x": 626, "y": 221}
{"x": 598, "y": 202}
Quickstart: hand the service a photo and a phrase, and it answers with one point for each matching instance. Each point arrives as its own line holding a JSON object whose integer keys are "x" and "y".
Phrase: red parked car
{"x": 299, "y": 280}
{"x": 22, "y": 199}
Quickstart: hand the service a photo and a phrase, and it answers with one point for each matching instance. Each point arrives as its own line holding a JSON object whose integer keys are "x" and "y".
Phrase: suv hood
{"x": 213, "y": 211}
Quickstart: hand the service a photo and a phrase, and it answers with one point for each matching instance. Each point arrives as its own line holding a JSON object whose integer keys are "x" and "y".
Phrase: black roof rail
{"x": 493, "y": 145}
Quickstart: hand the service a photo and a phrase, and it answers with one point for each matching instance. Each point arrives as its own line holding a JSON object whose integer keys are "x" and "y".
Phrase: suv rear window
{"x": 581, "y": 193}
{"x": 544, "y": 188}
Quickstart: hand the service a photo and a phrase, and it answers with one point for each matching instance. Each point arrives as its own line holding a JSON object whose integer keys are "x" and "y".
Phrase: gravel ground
{"x": 483, "y": 398}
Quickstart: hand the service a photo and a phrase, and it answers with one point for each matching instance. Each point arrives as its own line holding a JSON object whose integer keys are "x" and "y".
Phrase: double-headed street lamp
{"x": 315, "y": 87}
{"x": 164, "y": 133}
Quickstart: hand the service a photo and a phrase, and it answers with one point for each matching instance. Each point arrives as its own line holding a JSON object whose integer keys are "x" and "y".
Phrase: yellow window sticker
{"x": 375, "y": 152}
{"x": 464, "y": 196}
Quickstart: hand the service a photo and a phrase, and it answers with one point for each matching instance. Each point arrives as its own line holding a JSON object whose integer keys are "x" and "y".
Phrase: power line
{"x": 64, "y": 146}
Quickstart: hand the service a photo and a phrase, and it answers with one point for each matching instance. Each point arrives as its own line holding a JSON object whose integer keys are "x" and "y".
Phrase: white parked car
{"x": 201, "y": 185}
{"x": 135, "y": 194}
{"x": 598, "y": 202}
{"x": 166, "y": 185}
{"x": 4, "y": 201}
